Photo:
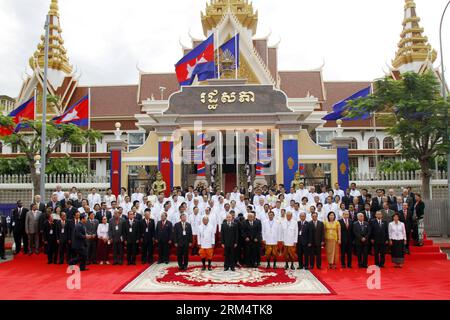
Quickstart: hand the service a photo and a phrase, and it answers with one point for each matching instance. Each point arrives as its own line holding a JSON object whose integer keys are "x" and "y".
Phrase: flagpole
{"x": 236, "y": 59}
{"x": 377, "y": 143}
{"x": 218, "y": 54}
{"x": 89, "y": 128}
{"x": 44, "y": 112}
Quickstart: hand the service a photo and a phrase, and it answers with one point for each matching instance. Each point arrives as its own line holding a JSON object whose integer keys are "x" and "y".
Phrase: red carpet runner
{"x": 424, "y": 276}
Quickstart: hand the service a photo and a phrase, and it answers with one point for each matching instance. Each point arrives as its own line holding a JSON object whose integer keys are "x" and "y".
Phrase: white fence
{"x": 402, "y": 179}
{"x": 14, "y": 187}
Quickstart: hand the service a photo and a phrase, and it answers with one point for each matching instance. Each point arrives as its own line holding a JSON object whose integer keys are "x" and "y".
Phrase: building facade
{"x": 282, "y": 110}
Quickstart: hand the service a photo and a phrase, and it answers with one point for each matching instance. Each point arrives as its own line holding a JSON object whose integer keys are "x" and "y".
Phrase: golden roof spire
{"x": 413, "y": 46}
{"x": 242, "y": 9}
{"x": 57, "y": 54}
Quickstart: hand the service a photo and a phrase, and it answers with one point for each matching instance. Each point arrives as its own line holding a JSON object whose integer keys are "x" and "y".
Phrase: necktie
{"x": 346, "y": 223}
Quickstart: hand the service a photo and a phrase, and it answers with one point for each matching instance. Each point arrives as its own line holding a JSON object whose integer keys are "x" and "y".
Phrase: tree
{"x": 29, "y": 140}
{"x": 67, "y": 165}
{"x": 419, "y": 113}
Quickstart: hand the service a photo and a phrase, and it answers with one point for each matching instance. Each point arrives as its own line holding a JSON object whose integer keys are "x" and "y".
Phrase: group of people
{"x": 76, "y": 228}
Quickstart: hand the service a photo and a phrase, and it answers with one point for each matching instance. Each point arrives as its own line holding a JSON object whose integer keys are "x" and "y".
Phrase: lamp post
{"x": 444, "y": 94}
{"x": 44, "y": 110}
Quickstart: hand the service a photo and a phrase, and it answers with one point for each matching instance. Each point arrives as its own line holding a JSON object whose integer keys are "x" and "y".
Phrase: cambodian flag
{"x": 78, "y": 114}
{"x": 24, "y": 112}
{"x": 199, "y": 62}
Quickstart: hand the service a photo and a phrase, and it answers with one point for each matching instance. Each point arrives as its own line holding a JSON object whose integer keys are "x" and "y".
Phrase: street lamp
{"x": 444, "y": 94}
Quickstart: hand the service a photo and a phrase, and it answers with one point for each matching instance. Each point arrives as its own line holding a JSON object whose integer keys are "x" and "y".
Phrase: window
{"x": 15, "y": 148}
{"x": 374, "y": 143}
{"x": 388, "y": 143}
{"x": 353, "y": 162}
{"x": 93, "y": 147}
{"x": 324, "y": 137}
{"x": 135, "y": 140}
{"x": 58, "y": 149}
{"x": 1, "y": 148}
{"x": 372, "y": 162}
{"x": 93, "y": 165}
{"x": 77, "y": 148}
{"x": 353, "y": 145}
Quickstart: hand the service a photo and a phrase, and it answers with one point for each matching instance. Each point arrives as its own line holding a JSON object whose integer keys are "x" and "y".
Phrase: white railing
{"x": 23, "y": 182}
{"x": 395, "y": 176}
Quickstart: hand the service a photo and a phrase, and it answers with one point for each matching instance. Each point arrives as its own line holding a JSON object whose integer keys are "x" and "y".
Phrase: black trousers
{"x": 183, "y": 256}
{"x": 117, "y": 252}
{"x": 240, "y": 253}
{"x": 252, "y": 251}
{"x": 80, "y": 258}
{"x": 380, "y": 253}
{"x": 51, "y": 249}
{"x": 131, "y": 251}
{"x": 228, "y": 253}
{"x": 315, "y": 257}
{"x": 163, "y": 250}
{"x": 346, "y": 254}
{"x": 303, "y": 255}
{"x": 19, "y": 237}
{"x": 63, "y": 251}
{"x": 362, "y": 251}
{"x": 147, "y": 251}
{"x": 92, "y": 251}
{"x": 2, "y": 246}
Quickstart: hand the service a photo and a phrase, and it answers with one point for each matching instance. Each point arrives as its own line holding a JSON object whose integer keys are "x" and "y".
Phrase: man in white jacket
{"x": 289, "y": 235}
{"x": 206, "y": 241}
{"x": 271, "y": 232}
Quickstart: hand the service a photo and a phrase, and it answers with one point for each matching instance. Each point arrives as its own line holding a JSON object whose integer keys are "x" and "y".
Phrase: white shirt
{"x": 339, "y": 192}
{"x": 93, "y": 199}
{"x": 137, "y": 197}
{"x": 235, "y": 196}
{"x": 300, "y": 193}
{"x": 73, "y": 196}
{"x": 102, "y": 230}
{"x": 195, "y": 220}
{"x": 289, "y": 232}
{"x": 355, "y": 193}
{"x": 206, "y": 236}
{"x": 271, "y": 232}
{"x": 108, "y": 200}
{"x": 397, "y": 231}
{"x": 330, "y": 207}
{"x": 126, "y": 207}
{"x": 60, "y": 195}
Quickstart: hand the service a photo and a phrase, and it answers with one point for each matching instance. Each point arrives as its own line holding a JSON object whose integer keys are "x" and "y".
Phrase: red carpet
{"x": 424, "y": 276}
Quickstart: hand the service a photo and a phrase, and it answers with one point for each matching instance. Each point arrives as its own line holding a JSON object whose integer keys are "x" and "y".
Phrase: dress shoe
{"x": 232, "y": 269}
{"x": 292, "y": 266}
{"x": 85, "y": 269}
{"x": 3, "y": 258}
{"x": 226, "y": 269}
{"x": 299, "y": 267}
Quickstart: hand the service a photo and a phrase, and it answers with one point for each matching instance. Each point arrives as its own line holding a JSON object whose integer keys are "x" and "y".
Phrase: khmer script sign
{"x": 227, "y": 99}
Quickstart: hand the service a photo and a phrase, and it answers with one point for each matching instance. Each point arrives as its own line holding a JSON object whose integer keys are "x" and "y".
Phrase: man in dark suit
{"x": 368, "y": 215}
{"x": 357, "y": 205}
{"x": 379, "y": 238}
{"x": 51, "y": 239}
{"x": 131, "y": 237}
{"x": 163, "y": 238}
{"x": 63, "y": 202}
{"x": 147, "y": 237}
{"x": 346, "y": 240}
{"x": 3, "y": 232}
{"x": 79, "y": 244}
{"x": 69, "y": 210}
{"x": 316, "y": 241}
{"x": 252, "y": 231}
{"x": 53, "y": 203}
{"x": 361, "y": 232}
{"x": 347, "y": 198}
{"x": 352, "y": 213}
{"x": 115, "y": 234}
{"x": 40, "y": 205}
{"x": 398, "y": 206}
{"x": 229, "y": 237}
{"x": 65, "y": 241}
{"x": 302, "y": 242}
{"x": 18, "y": 226}
{"x": 91, "y": 236}
{"x": 103, "y": 213}
{"x": 406, "y": 218}
{"x": 182, "y": 232}
{"x": 387, "y": 213}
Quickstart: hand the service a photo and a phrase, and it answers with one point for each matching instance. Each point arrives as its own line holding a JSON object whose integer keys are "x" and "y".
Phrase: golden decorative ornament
{"x": 290, "y": 163}
{"x": 343, "y": 168}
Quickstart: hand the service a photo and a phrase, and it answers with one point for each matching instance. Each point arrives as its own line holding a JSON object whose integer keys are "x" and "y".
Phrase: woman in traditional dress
{"x": 332, "y": 239}
{"x": 102, "y": 244}
{"x": 397, "y": 240}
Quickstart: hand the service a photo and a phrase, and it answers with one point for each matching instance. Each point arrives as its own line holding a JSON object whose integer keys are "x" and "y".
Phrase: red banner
{"x": 165, "y": 164}
{"x": 116, "y": 171}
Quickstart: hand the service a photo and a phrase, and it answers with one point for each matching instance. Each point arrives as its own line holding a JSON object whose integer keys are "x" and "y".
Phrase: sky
{"x": 108, "y": 39}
